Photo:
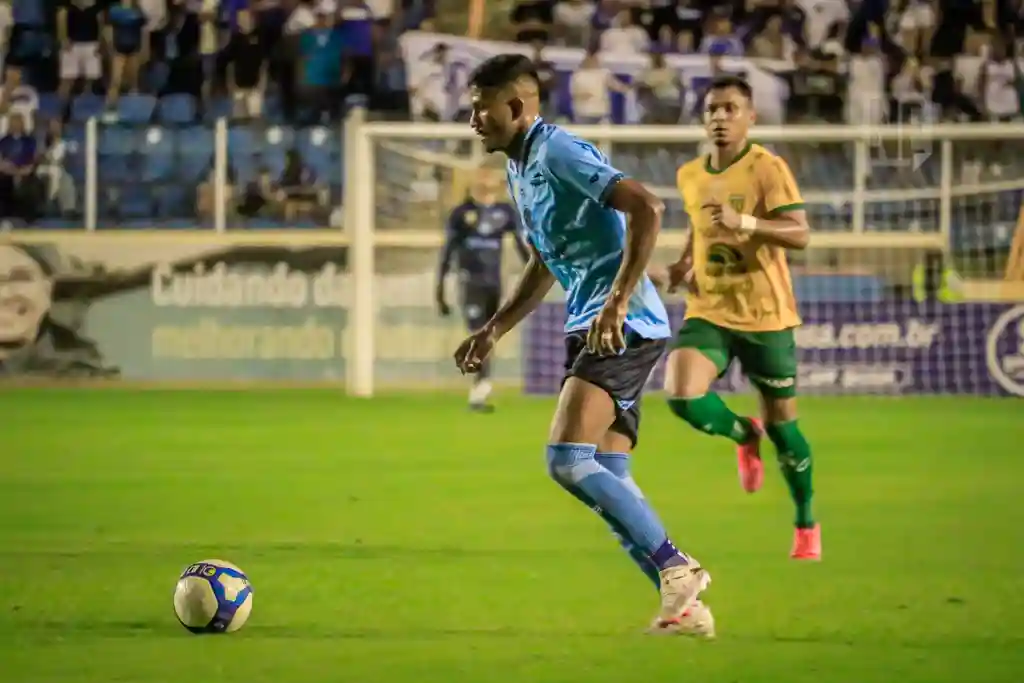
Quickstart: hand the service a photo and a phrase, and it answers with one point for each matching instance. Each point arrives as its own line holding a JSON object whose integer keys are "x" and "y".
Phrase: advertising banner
{"x": 186, "y": 307}
{"x": 893, "y": 347}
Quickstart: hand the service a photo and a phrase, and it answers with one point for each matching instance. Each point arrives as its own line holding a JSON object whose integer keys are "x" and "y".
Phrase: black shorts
{"x": 623, "y": 377}
{"x": 479, "y": 304}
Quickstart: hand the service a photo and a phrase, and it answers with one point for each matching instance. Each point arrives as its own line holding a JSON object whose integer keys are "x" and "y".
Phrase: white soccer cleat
{"x": 680, "y": 587}
{"x": 697, "y": 622}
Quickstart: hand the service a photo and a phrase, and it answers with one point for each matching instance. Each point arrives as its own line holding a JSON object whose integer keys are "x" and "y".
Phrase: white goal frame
{"x": 363, "y": 238}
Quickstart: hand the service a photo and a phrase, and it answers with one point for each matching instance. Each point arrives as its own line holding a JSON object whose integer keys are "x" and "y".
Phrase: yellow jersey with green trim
{"x": 742, "y": 283}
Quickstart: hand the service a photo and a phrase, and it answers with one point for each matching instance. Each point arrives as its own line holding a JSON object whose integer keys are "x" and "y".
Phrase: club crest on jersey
{"x": 724, "y": 260}
{"x": 469, "y": 217}
{"x": 737, "y": 202}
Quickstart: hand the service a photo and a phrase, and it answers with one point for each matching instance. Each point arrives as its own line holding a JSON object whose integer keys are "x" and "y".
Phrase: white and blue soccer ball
{"x": 213, "y": 596}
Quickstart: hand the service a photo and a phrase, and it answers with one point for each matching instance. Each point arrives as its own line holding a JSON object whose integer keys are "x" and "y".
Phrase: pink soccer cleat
{"x": 748, "y": 459}
{"x": 807, "y": 544}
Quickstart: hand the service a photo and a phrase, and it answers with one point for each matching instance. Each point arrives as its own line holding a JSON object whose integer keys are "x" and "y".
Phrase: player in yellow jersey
{"x": 745, "y": 211}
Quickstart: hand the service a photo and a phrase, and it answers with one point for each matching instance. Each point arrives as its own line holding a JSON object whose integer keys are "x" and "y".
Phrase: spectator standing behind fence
{"x": 208, "y": 13}
{"x": 660, "y": 90}
{"x": 624, "y": 37}
{"x": 320, "y": 50}
{"x": 720, "y": 39}
{"x": 246, "y": 60}
{"x": 181, "y": 48}
{"x": 771, "y": 42}
{"x": 997, "y": 85}
{"x": 128, "y": 36}
{"x": 571, "y": 19}
{"x": 356, "y": 33}
{"x": 591, "y": 86}
{"x": 548, "y": 81}
{"x": 675, "y": 23}
{"x": 532, "y": 20}
{"x": 866, "y": 101}
{"x": 79, "y": 31}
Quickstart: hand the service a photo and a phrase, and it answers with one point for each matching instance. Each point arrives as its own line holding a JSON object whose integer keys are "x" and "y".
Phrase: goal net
{"x": 909, "y": 285}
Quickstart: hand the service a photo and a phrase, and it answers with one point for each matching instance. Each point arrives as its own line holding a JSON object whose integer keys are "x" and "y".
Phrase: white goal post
{"x": 923, "y": 166}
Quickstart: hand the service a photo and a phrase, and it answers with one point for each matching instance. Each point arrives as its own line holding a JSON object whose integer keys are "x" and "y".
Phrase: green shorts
{"x": 768, "y": 358}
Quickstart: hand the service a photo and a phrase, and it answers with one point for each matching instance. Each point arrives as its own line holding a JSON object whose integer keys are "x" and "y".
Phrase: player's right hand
{"x": 472, "y": 352}
{"x": 680, "y": 274}
{"x": 442, "y": 306}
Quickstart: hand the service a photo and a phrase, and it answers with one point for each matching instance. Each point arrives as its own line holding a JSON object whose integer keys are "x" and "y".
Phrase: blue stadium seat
{"x": 177, "y": 109}
{"x": 158, "y": 152}
{"x": 218, "y": 108}
{"x": 195, "y": 147}
{"x": 86, "y": 106}
{"x": 118, "y": 141}
{"x": 50, "y": 105}
{"x": 136, "y": 109}
{"x": 319, "y": 151}
{"x": 174, "y": 200}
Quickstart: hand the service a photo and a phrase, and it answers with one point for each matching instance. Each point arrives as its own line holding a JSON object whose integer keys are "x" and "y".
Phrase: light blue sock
{"x": 575, "y": 468}
{"x": 618, "y": 464}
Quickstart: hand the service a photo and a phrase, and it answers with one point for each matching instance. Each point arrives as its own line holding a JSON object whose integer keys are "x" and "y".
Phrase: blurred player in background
{"x": 574, "y": 207}
{"x": 746, "y": 211}
{"x": 474, "y": 238}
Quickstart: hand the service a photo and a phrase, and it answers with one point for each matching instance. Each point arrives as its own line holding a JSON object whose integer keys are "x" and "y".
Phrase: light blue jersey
{"x": 560, "y": 187}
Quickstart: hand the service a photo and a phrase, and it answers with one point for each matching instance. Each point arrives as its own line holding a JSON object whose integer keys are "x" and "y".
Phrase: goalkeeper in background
{"x": 746, "y": 212}
{"x": 474, "y": 236}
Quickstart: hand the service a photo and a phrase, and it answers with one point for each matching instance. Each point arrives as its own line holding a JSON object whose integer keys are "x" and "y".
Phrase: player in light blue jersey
{"x": 592, "y": 230}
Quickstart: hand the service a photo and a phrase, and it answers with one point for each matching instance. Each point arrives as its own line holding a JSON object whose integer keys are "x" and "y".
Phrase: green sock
{"x": 708, "y": 413}
{"x": 794, "y": 455}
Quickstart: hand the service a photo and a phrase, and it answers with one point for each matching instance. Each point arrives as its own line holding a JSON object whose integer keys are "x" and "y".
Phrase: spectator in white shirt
{"x": 661, "y": 92}
{"x": 624, "y": 37}
{"x": 428, "y": 94}
{"x": 590, "y": 87}
{"x": 866, "y": 103}
{"x": 772, "y": 43}
{"x": 572, "y": 21}
{"x": 17, "y": 97}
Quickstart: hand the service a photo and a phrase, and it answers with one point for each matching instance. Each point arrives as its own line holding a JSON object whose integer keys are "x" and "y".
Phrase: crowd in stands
{"x": 844, "y": 60}
{"x": 157, "y": 73}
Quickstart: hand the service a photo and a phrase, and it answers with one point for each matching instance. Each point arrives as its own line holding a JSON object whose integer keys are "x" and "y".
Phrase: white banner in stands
{"x": 464, "y": 54}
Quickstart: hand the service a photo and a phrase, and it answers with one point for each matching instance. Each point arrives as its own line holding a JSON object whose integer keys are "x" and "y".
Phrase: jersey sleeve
{"x": 682, "y": 176}
{"x": 780, "y": 190}
{"x": 582, "y": 167}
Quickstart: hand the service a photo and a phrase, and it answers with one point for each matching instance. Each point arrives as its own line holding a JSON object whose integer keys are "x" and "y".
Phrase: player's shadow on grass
{"x": 104, "y": 628}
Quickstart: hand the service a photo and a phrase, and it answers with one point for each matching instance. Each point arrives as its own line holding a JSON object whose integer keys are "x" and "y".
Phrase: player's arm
{"x": 533, "y": 286}
{"x": 453, "y": 235}
{"x": 580, "y": 166}
{"x": 522, "y": 248}
{"x": 644, "y": 211}
{"x": 786, "y": 225}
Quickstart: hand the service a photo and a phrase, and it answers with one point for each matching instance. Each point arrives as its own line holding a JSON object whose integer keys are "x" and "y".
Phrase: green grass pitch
{"x": 402, "y": 539}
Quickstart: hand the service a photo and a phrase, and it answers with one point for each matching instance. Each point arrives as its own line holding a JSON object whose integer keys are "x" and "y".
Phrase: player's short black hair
{"x": 502, "y": 70}
{"x": 731, "y": 81}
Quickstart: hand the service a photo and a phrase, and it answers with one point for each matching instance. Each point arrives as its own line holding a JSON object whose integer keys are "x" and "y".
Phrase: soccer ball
{"x": 213, "y": 596}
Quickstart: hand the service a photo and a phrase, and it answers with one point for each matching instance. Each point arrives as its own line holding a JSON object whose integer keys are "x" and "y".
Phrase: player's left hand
{"x": 723, "y": 215}
{"x": 606, "y": 336}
